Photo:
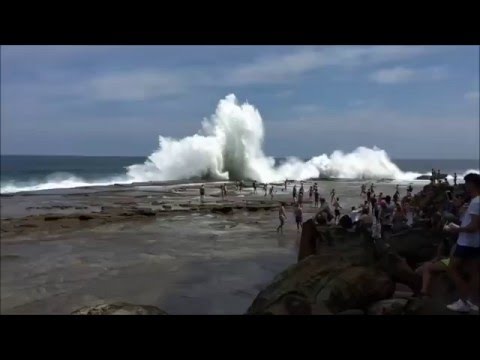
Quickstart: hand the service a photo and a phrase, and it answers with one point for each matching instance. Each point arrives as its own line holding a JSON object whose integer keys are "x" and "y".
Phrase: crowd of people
{"x": 458, "y": 218}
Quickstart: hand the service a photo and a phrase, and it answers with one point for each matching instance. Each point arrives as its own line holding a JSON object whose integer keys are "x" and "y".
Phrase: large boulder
{"x": 119, "y": 308}
{"x": 415, "y": 245}
{"x": 320, "y": 281}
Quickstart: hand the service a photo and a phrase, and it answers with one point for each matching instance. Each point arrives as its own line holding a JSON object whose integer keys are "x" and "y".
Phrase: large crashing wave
{"x": 229, "y": 146}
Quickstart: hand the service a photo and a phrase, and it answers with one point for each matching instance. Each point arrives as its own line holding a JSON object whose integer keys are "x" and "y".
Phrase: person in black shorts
{"x": 299, "y": 217}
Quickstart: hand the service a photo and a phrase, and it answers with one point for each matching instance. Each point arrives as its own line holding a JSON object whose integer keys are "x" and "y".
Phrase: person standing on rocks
{"x": 282, "y": 216}
{"x": 396, "y": 196}
{"x": 299, "y": 216}
{"x": 372, "y": 189}
{"x": 310, "y": 193}
{"x": 409, "y": 189}
{"x": 225, "y": 189}
{"x": 369, "y": 194}
{"x": 332, "y": 196}
{"x": 286, "y": 184}
{"x": 362, "y": 190}
{"x": 222, "y": 191}
{"x": 438, "y": 175}
{"x": 265, "y": 189}
{"x": 316, "y": 196}
{"x": 466, "y": 257}
{"x": 271, "y": 192}
{"x": 434, "y": 176}
{"x": 294, "y": 193}
{"x": 202, "y": 192}
{"x": 337, "y": 207}
{"x": 454, "y": 179}
{"x": 254, "y": 187}
{"x": 300, "y": 195}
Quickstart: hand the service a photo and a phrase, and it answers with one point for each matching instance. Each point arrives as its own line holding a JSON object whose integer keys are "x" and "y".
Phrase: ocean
{"x": 30, "y": 173}
{"x": 229, "y": 146}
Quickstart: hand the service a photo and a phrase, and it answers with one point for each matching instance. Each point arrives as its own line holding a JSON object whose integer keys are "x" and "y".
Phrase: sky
{"x": 412, "y": 101}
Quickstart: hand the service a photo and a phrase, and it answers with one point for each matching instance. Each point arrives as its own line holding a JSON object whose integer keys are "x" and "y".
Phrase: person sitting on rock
{"x": 437, "y": 265}
{"x": 466, "y": 258}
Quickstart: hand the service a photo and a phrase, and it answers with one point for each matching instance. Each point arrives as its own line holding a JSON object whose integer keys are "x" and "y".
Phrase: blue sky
{"x": 412, "y": 101}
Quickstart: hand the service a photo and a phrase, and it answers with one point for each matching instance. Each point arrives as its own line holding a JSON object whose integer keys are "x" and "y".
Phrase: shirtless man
{"x": 310, "y": 193}
{"x": 254, "y": 187}
{"x": 332, "y": 195}
{"x": 282, "y": 216}
{"x": 294, "y": 193}
{"x": 337, "y": 207}
{"x": 299, "y": 216}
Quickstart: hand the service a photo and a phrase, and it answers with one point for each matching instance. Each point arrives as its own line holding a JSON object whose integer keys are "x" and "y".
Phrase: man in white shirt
{"x": 466, "y": 258}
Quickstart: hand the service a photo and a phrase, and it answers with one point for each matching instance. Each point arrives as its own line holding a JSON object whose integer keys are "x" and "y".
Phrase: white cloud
{"x": 307, "y": 108}
{"x": 281, "y": 68}
{"x": 400, "y": 74}
{"x": 139, "y": 85}
{"x": 472, "y": 95}
{"x": 392, "y": 76}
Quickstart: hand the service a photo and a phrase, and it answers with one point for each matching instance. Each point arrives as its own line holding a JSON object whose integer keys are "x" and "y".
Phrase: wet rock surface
{"x": 119, "y": 309}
